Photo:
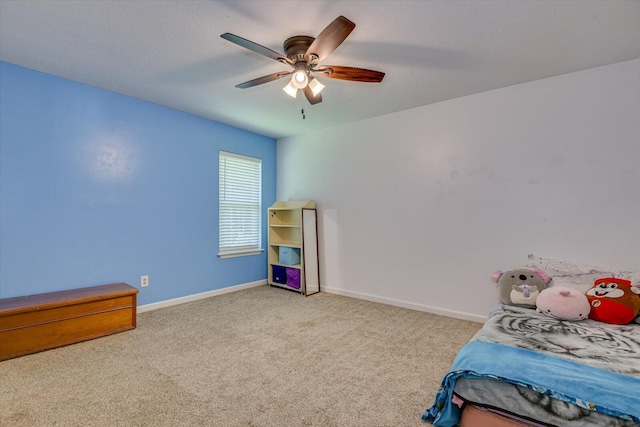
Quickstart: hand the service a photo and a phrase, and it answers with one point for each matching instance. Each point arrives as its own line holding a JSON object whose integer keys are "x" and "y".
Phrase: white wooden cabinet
{"x": 293, "y": 234}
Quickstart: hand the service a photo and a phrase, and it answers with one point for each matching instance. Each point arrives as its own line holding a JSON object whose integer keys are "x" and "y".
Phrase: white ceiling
{"x": 171, "y": 53}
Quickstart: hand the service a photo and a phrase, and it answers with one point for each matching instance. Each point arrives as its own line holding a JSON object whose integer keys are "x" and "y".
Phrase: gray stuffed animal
{"x": 520, "y": 287}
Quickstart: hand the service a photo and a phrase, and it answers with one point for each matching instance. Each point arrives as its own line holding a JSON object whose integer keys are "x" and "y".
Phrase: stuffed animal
{"x": 563, "y": 303}
{"x": 614, "y": 301}
{"x": 520, "y": 287}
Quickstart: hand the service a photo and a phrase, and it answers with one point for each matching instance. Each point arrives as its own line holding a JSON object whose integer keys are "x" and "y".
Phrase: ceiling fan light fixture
{"x": 315, "y": 86}
{"x": 290, "y": 89}
{"x": 300, "y": 79}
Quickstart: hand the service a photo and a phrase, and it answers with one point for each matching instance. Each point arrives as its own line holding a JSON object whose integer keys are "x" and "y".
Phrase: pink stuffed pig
{"x": 563, "y": 303}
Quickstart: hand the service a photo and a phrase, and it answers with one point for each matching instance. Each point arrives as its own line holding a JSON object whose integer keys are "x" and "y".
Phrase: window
{"x": 240, "y": 196}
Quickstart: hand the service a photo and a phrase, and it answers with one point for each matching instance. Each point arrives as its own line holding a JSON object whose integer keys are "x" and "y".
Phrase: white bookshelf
{"x": 294, "y": 225}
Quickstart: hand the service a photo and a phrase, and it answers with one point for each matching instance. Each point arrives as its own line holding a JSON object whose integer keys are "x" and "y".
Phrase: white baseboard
{"x": 195, "y": 297}
{"x": 406, "y": 304}
{"x": 329, "y": 290}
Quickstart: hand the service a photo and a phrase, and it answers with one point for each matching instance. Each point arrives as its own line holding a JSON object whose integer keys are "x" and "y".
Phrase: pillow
{"x": 564, "y": 268}
{"x": 579, "y": 282}
{"x": 578, "y": 275}
{"x": 634, "y": 278}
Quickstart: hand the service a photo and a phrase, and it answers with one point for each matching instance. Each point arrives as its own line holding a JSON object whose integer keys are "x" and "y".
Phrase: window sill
{"x": 234, "y": 254}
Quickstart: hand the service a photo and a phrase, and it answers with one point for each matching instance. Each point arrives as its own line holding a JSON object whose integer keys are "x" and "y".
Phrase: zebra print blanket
{"x": 588, "y": 365}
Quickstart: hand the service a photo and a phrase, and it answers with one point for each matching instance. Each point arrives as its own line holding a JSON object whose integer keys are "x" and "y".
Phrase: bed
{"x": 524, "y": 368}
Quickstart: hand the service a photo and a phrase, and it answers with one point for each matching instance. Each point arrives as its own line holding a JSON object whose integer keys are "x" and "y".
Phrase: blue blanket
{"x": 593, "y": 388}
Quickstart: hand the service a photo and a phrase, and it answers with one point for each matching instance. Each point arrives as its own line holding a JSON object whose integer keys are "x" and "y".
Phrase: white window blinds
{"x": 240, "y": 196}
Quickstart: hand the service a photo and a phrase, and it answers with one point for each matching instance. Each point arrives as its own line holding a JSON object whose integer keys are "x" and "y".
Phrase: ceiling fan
{"x": 303, "y": 54}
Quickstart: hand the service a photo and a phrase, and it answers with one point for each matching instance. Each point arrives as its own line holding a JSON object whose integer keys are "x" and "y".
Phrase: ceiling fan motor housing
{"x": 295, "y": 48}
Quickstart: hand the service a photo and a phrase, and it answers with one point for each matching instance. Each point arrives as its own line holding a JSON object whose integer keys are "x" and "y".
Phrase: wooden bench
{"x": 40, "y": 322}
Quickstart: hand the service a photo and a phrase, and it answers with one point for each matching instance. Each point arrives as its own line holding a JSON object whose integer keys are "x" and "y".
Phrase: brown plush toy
{"x": 614, "y": 301}
{"x": 520, "y": 287}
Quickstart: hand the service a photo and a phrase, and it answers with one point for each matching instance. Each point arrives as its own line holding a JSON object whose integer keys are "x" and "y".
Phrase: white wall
{"x": 418, "y": 208}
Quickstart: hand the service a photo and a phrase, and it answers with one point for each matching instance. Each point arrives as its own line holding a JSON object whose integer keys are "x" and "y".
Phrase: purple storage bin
{"x": 293, "y": 278}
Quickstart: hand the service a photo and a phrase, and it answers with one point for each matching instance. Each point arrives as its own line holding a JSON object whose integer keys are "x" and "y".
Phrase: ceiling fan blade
{"x": 264, "y": 79}
{"x": 255, "y": 47}
{"x": 330, "y": 38}
{"x": 312, "y": 99}
{"x": 350, "y": 73}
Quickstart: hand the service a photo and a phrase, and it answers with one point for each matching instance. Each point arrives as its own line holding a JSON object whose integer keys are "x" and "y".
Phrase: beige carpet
{"x": 258, "y": 357}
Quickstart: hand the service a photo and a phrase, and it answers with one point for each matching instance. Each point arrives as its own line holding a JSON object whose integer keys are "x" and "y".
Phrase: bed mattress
{"x": 529, "y": 405}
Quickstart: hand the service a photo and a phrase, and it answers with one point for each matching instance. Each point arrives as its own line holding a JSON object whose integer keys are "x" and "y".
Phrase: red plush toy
{"x": 614, "y": 301}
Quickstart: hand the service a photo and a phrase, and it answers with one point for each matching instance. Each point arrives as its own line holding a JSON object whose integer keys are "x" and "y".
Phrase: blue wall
{"x": 97, "y": 188}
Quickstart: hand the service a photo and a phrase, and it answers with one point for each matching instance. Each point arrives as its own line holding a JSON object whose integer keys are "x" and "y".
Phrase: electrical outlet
{"x": 144, "y": 281}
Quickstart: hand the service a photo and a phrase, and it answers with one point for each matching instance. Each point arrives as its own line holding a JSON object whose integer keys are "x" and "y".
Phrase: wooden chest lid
{"x": 56, "y": 299}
